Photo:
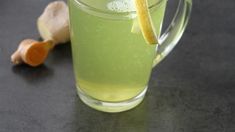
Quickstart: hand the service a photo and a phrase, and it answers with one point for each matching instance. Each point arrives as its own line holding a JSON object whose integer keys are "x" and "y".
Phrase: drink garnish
{"x": 145, "y": 21}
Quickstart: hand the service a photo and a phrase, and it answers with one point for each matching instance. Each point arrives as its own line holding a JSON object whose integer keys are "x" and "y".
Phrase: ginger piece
{"x": 53, "y": 24}
{"x": 32, "y": 52}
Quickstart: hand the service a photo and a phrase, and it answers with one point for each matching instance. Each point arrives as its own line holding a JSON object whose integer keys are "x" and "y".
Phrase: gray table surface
{"x": 192, "y": 90}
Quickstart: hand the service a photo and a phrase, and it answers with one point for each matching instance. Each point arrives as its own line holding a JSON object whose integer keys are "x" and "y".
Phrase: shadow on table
{"x": 61, "y": 55}
{"x": 33, "y": 74}
{"x": 90, "y": 120}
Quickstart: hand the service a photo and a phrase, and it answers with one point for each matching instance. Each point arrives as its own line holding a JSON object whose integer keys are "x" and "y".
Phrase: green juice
{"x": 112, "y": 61}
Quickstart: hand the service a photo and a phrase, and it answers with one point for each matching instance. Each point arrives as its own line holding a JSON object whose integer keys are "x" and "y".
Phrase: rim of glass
{"x": 103, "y": 11}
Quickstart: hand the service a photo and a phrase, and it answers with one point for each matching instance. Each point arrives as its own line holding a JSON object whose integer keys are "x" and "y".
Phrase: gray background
{"x": 192, "y": 90}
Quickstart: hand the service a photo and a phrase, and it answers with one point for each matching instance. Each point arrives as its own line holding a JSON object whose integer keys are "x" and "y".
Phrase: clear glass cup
{"x": 112, "y": 61}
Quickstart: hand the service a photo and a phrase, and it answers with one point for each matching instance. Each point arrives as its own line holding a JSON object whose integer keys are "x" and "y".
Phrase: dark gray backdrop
{"x": 192, "y": 90}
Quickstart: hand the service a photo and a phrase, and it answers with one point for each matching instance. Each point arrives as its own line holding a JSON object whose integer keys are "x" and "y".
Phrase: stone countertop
{"x": 192, "y": 90}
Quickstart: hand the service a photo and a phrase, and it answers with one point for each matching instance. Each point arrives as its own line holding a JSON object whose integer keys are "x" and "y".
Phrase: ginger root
{"x": 53, "y": 24}
{"x": 32, "y": 52}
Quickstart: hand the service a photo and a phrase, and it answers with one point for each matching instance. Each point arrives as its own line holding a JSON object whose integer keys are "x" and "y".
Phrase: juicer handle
{"x": 174, "y": 32}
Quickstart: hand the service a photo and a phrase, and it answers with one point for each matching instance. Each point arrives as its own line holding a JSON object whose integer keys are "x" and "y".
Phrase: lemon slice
{"x": 145, "y": 21}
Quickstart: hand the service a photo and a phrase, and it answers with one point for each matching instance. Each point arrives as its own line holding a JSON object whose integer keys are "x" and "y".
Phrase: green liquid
{"x": 111, "y": 63}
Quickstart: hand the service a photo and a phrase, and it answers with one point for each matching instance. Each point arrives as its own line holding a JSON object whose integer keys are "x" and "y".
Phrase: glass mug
{"x": 112, "y": 61}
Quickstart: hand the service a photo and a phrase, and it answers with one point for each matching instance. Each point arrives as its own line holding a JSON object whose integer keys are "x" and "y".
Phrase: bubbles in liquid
{"x": 121, "y": 5}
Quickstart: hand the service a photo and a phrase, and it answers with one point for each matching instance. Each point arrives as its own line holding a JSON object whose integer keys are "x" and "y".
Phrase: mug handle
{"x": 174, "y": 32}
